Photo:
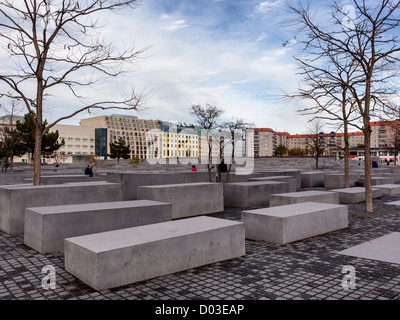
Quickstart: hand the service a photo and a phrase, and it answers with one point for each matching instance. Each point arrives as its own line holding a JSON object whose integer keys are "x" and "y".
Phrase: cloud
{"x": 171, "y": 24}
{"x": 266, "y": 6}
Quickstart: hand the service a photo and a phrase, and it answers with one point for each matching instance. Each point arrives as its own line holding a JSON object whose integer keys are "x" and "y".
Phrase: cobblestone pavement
{"x": 305, "y": 270}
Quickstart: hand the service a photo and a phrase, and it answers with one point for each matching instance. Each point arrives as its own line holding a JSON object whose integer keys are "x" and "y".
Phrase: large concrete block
{"x": 14, "y": 199}
{"x": 388, "y": 189}
{"x": 252, "y": 194}
{"x": 60, "y": 179}
{"x": 303, "y": 196}
{"x": 337, "y": 180}
{"x": 130, "y": 181}
{"x": 355, "y": 195}
{"x": 285, "y": 172}
{"x": 121, "y": 257}
{"x": 292, "y": 181}
{"x": 379, "y": 180}
{"x": 312, "y": 179}
{"x": 47, "y": 227}
{"x": 294, "y": 222}
{"x": 187, "y": 199}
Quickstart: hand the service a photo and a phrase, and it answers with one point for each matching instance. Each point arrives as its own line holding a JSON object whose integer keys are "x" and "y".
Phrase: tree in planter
{"x": 119, "y": 149}
{"x": 26, "y": 133}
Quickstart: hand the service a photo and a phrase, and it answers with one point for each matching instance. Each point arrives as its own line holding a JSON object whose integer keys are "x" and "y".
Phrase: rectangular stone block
{"x": 303, "y": 196}
{"x": 285, "y": 224}
{"x": 388, "y": 189}
{"x": 292, "y": 181}
{"x": 379, "y": 180}
{"x": 187, "y": 199}
{"x": 285, "y": 172}
{"x": 252, "y": 194}
{"x": 312, "y": 179}
{"x": 337, "y": 180}
{"x": 355, "y": 195}
{"x": 60, "y": 179}
{"x": 116, "y": 258}
{"x": 14, "y": 199}
{"x": 130, "y": 181}
{"x": 47, "y": 227}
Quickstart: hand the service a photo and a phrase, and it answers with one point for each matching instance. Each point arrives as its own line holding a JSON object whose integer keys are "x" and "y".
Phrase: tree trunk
{"x": 37, "y": 154}
{"x": 346, "y": 156}
{"x": 369, "y": 206}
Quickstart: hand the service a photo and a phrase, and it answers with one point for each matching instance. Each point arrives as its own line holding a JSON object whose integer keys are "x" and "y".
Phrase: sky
{"x": 226, "y": 53}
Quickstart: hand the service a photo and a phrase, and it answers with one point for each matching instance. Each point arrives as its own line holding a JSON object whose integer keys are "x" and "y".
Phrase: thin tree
{"x": 316, "y": 141}
{"x": 368, "y": 36}
{"x": 235, "y": 131}
{"x": 58, "y": 44}
{"x": 207, "y": 118}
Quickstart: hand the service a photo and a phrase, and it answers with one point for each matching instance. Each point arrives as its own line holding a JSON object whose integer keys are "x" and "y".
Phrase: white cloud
{"x": 266, "y": 6}
{"x": 170, "y": 23}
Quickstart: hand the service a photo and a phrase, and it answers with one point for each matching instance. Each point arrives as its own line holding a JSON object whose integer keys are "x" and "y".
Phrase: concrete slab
{"x": 14, "y": 199}
{"x": 187, "y": 199}
{"x": 284, "y": 224}
{"x": 116, "y": 258}
{"x": 337, "y": 180}
{"x": 312, "y": 179}
{"x": 47, "y": 227}
{"x": 291, "y": 180}
{"x": 252, "y": 194}
{"x": 389, "y": 189}
{"x": 303, "y": 196}
{"x": 386, "y": 249}
{"x": 355, "y": 195}
{"x": 393, "y": 203}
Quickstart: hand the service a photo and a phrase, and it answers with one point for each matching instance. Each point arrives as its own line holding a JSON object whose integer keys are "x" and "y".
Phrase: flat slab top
{"x": 300, "y": 194}
{"x": 271, "y": 178}
{"x": 180, "y": 185}
{"x": 49, "y": 210}
{"x": 256, "y": 183}
{"x": 294, "y": 209}
{"x": 388, "y": 186}
{"x": 111, "y": 240}
{"x": 351, "y": 190}
{"x": 385, "y": 249}
{"x": 393, "y": 203}
{"x": 52, "y": 186}
{"x": 313, "y": 172}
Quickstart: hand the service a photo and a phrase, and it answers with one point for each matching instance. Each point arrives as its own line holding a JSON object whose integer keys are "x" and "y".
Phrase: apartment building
{"x": 132, "y": 130}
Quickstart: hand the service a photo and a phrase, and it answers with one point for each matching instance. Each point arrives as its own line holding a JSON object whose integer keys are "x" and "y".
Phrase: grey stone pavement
{"x": 305, "y": 270}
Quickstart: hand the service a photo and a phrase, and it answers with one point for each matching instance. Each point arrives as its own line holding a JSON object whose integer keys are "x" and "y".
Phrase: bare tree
{"x": 236, "y": 129}
{"x": 367, "y": 37}
{"x": 58, "y": 43}
{"x": 207, "y": 118}
{"x": 316, "y": 141}
{"x": 326, "y": 78}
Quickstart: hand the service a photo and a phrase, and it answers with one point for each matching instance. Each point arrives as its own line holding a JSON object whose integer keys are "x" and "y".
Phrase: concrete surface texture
{"x": 252, "y": 194}
{"x": 303, "y": 196}
{"x": 285, "y": 224}
{"x": 15, "y": 199}
{"x": 187, "y": 199}
{"x": 47, "y": 227}
{"x": 115, "y": 258}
